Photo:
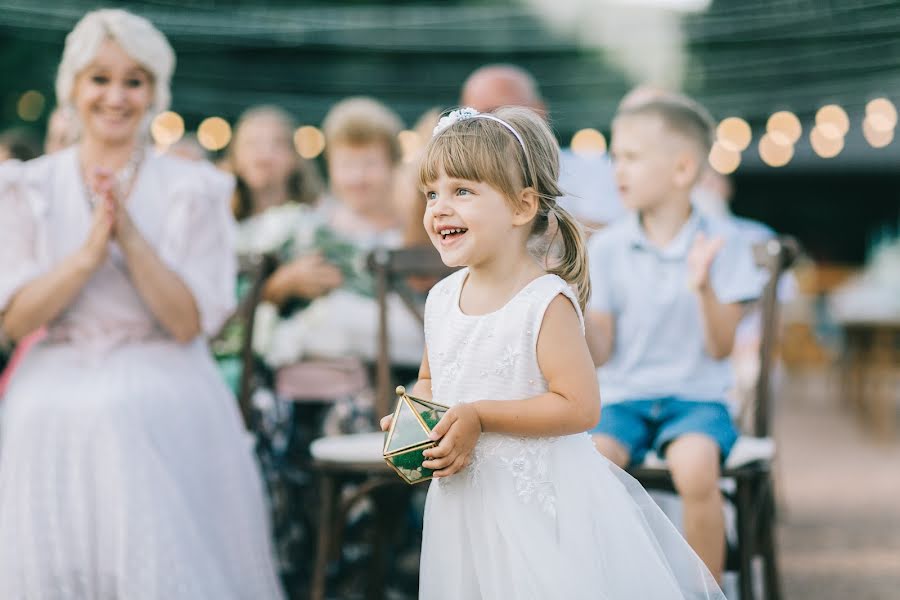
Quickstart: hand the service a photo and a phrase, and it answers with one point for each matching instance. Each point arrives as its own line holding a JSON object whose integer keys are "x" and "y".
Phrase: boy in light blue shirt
{"x": 669, "y": 288}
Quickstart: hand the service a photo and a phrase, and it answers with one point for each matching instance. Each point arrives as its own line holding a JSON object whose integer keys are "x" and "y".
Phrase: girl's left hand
{"x": 458, "y": 432}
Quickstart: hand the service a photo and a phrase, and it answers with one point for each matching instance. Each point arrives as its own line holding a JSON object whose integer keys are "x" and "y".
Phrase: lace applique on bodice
{"x": 494, "y": 356}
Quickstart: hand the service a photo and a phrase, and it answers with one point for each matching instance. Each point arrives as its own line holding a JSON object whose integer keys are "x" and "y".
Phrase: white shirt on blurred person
{"x": 589, "y": 183}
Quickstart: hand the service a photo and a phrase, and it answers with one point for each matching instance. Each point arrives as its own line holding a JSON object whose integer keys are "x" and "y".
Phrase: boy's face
{"x": 651, "y": 162}
{"x": 362, "y": 176}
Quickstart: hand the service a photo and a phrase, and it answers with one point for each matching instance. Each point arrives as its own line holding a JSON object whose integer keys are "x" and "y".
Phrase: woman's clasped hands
{"x": 110, "y": 220}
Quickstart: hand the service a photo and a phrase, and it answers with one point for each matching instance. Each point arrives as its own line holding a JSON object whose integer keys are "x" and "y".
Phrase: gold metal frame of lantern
{"x": 407, "y": 458}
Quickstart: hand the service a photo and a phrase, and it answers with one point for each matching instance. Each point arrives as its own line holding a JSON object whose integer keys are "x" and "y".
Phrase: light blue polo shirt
{"x": 658, "y": 348}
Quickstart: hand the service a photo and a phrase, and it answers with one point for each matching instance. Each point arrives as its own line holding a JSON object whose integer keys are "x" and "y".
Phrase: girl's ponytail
{"x": 572, "y": 265}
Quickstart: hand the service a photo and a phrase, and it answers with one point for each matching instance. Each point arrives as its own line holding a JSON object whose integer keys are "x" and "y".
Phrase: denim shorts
{"x": 641, "y": 425}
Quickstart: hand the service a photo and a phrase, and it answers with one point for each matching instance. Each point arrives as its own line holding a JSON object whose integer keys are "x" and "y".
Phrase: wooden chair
{"x": 392, "y": 269}
{"x": 357, "y": 459}
{"x": 747, "y": 474}
{"x": 254, "y": 269}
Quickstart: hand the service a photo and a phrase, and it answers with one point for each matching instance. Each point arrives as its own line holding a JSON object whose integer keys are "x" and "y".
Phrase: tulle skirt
{"x": 128, "y": 474}
{"x": 552, "y": 519}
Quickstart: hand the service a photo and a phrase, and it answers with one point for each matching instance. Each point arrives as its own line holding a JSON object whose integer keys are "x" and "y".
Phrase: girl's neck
{"x": 269, "y": 197}
{"x": 663, "y": 222}
{"x": 94, "y": 153}
{"x": 495, "y": 282}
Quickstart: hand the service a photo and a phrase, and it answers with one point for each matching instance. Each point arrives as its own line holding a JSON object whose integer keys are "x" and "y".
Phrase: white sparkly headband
{"x": 470, "y": 113}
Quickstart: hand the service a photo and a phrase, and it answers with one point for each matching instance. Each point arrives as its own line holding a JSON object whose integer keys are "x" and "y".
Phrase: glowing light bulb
{"x": 167, "y": 128}
{"x": 734, "y": 133}
{"x": 824, "y": 145}
{"x": 723, "y": 159}
{"x": 214, "y": 133}
{"x": 588, "y": 141}
{"x": 773, "y": 153}
{"x": 784, "y": 127}
{"x": 309, "y": 141}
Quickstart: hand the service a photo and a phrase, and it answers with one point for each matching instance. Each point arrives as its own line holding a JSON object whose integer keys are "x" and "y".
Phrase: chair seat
{"x": 367, "y": 448}
{"x": 356, "y": 448}
{"x": 321, "y": 380}
{"x": 747, "y": 450}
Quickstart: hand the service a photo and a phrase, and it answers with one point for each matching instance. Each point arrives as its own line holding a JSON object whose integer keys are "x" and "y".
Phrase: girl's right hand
{"x": 386, "y": 422}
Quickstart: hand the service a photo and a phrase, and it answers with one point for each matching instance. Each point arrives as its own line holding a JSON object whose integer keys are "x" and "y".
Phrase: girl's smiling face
{"x": 469, "y": 222}
{"x": 263, "y": 152}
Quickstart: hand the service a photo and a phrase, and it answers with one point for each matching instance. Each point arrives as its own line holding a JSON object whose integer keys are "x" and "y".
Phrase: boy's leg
{"x": 612, "y": 449}
{"x": 695, "y": 438}
{"x": 694, "y": 462}
{"x": 623, "y": 434}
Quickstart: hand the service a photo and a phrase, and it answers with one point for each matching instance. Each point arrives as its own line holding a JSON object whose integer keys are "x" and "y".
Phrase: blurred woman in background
{"x": 125, "y": 471}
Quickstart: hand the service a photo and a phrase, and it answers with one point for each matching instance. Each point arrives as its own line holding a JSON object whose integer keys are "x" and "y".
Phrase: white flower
{"x": 268, "y": 230}
{"x": 457, "y": 115}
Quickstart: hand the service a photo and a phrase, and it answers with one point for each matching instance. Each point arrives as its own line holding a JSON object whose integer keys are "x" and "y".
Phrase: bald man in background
{"x": 588, "y": 181}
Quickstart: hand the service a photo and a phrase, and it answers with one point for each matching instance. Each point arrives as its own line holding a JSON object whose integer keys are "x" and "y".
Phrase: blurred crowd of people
{"x": 318, "y": 320}
{"x": 322, "y": 231}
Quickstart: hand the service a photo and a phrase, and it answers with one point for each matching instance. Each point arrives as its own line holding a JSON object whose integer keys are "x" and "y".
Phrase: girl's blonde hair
{"x": 483, "y": 150}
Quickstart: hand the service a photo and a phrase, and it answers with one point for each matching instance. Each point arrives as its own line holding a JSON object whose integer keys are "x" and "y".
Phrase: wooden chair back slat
{"x": 776, "y": 256}
{"x": 391, "y": 269}
{"x": 256, "y": 268}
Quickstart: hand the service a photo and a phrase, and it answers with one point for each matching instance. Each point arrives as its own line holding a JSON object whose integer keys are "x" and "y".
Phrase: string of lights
{"x": 745, "y": 60}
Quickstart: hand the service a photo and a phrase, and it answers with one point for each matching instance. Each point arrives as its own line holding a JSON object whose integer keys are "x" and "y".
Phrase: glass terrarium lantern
{"x": 407, "y": 437}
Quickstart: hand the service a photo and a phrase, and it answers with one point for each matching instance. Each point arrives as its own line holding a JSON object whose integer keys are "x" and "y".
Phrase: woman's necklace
{"x": 123, "y": 179}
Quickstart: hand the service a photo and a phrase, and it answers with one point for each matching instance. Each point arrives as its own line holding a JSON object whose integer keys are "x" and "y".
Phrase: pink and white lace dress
{"x": 125, "y": 471}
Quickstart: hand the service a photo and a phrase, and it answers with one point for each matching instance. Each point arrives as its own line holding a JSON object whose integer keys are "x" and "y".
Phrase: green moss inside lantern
{"x": 407, "y": 438}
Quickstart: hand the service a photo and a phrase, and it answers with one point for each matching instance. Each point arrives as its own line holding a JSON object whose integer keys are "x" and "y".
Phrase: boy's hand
{"x": 700, "y": 259}
{"x": 458, "y": 431}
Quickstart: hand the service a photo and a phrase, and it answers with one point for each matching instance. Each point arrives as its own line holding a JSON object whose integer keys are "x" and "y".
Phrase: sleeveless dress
{"x": 125, "y": 470}
{"x": 535, "y": 518}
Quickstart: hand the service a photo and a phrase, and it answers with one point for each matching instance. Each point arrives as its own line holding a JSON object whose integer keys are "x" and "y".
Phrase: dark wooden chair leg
{"x": 326, "y": 502}
{"x": 767, "y": 541}
{"x": 386, "y": 508}
{"x": 744, "y": 506}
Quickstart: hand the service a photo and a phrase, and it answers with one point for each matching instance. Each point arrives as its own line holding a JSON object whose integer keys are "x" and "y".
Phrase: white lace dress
{"x": 535, "y": 519}
{"x": 125, "y": 471}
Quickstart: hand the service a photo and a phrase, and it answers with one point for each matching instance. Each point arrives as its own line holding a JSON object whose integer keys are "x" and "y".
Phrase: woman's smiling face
{"x": 112, "y": 95}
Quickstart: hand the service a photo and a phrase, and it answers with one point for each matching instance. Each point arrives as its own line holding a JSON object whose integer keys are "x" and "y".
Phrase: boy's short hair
{"x": 681, "y": 115}
{"x": 362, "y": 121}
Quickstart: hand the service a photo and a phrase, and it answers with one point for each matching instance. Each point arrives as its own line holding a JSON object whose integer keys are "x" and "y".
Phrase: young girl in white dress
{"x": 125, "y": 471}
{"x": 523, "y": 506}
